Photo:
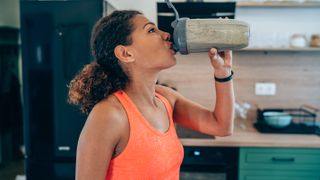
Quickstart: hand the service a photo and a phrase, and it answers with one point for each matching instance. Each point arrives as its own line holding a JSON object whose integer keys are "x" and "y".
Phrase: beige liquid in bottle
{"x": 203, "y": 34}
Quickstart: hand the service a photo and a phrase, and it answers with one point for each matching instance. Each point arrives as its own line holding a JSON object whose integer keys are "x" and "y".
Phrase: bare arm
{"x": 97, "y": 142}
{"x": 224, "y": 109}
{"x": 217, "y": 122}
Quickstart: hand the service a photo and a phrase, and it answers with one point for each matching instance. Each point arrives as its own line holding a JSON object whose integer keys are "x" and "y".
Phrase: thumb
{"x": 213, "y": 53}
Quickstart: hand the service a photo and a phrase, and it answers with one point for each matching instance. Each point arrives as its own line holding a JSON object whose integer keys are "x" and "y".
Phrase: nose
{"x": 166, "y": 36}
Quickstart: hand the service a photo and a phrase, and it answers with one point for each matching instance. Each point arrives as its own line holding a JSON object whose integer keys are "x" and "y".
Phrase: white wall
{"x": 147, "y": 7}
{"x": 9, "y": 13}
{"x": 272, "y": 27}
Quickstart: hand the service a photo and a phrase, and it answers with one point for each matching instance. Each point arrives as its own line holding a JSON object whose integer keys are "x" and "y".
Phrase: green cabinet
{"x": 279, "y": 164}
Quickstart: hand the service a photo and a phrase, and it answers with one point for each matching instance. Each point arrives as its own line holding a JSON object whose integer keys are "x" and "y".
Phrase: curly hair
{"x": 104, "y": 75}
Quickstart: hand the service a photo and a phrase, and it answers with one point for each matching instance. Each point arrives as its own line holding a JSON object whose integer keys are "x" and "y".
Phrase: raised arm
{"x": 218, "y": 121}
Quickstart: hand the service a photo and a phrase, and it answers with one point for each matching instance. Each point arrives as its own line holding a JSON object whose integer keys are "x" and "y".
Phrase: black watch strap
{"x": 224, "y": 79}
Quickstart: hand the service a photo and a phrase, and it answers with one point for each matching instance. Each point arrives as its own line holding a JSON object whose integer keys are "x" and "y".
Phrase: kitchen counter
{"x": 250, "y": 137}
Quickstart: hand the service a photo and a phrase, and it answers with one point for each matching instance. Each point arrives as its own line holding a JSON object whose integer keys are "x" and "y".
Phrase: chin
{"x": 171, "y": 62}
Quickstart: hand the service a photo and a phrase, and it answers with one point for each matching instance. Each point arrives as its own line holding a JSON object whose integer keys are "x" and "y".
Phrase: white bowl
{"x": 298, "y": 40}
{"x": 277, "y": 119}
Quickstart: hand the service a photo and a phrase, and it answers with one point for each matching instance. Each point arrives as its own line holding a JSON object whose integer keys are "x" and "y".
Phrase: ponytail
{"x": 91, "y": 85}
{"x": 103, "y": 76}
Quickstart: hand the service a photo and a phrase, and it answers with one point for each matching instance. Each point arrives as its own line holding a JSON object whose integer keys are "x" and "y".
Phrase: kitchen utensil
{"x": 298, "y": 40}
{"x": 277, "y": 119}
{"x": 315, "y": 40}
{"x": 303, "y": 120}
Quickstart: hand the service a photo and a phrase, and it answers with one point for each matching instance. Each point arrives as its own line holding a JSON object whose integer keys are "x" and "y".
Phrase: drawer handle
{"x": 278, "y": 159}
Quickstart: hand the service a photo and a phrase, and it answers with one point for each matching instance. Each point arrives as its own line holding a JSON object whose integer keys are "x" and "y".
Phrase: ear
{"x": 124, "y": 54}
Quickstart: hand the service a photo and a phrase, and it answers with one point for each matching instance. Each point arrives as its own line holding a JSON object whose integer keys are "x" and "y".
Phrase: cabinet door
{"x": 280, "y": 178}
{"x": 278, "y": 175}
{"x": 280, "y": 159}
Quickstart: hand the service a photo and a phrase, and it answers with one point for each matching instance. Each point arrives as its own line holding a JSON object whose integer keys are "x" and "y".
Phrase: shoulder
{"x": 106, "y": 121}
{"x": 99, "y": 138}
{"x": 106, "y": 109}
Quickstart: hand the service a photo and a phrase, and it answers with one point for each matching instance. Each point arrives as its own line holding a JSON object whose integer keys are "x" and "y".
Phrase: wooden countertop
{"x": 250, "y": 137}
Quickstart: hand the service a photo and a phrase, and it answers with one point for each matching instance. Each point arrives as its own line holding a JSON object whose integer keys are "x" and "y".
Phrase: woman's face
{"x": 150, "y": 46}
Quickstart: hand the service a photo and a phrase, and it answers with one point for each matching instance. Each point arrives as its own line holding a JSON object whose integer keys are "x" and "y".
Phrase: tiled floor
{"x": 9, "y": 171}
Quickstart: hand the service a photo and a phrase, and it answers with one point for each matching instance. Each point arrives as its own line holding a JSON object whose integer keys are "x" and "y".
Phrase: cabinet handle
{"x": 279, "y": 159}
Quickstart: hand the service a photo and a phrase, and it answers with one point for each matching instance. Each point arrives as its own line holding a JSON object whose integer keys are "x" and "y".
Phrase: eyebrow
{"x": 148, "y": 23}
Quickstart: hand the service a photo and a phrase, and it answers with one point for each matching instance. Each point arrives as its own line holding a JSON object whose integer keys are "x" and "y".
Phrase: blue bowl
{"x": 277, "y": 119}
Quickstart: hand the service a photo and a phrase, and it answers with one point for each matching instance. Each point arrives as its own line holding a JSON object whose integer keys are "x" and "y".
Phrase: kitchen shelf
{"x": 308, "y": 49}
{"x": 292, "y": 4}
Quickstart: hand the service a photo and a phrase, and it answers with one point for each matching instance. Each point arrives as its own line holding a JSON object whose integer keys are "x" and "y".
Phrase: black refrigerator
{"x": 55, "y": 38}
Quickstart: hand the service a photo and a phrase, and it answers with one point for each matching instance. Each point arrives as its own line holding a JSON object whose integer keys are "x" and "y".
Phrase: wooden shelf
{"x": 308, "y": 49}
{"x": 292, "y": 4}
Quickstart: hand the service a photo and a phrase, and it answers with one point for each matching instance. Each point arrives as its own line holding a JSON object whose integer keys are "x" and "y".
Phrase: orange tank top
{"x": 149, "y": 154}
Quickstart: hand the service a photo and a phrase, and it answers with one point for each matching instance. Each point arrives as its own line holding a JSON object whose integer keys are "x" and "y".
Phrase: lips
{"x": 172, "y": 49}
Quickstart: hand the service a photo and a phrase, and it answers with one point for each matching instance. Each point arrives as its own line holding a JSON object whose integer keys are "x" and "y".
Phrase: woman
{"x": 129, "y": 132}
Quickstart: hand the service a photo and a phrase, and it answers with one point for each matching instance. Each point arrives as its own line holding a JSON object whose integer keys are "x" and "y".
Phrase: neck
{"x": 141, "y": 89}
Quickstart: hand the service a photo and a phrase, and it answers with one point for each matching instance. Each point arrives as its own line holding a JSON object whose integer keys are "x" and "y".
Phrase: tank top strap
{"x": 131, "y": 108}
{"x": 166, "y": 104}
{"x": 126, "y": 103}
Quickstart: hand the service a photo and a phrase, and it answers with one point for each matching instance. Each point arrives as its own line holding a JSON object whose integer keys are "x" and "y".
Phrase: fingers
{"x": 223, "y": 58}
{"x": 213, "y": 53}
{"x": 228, "y": 58}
